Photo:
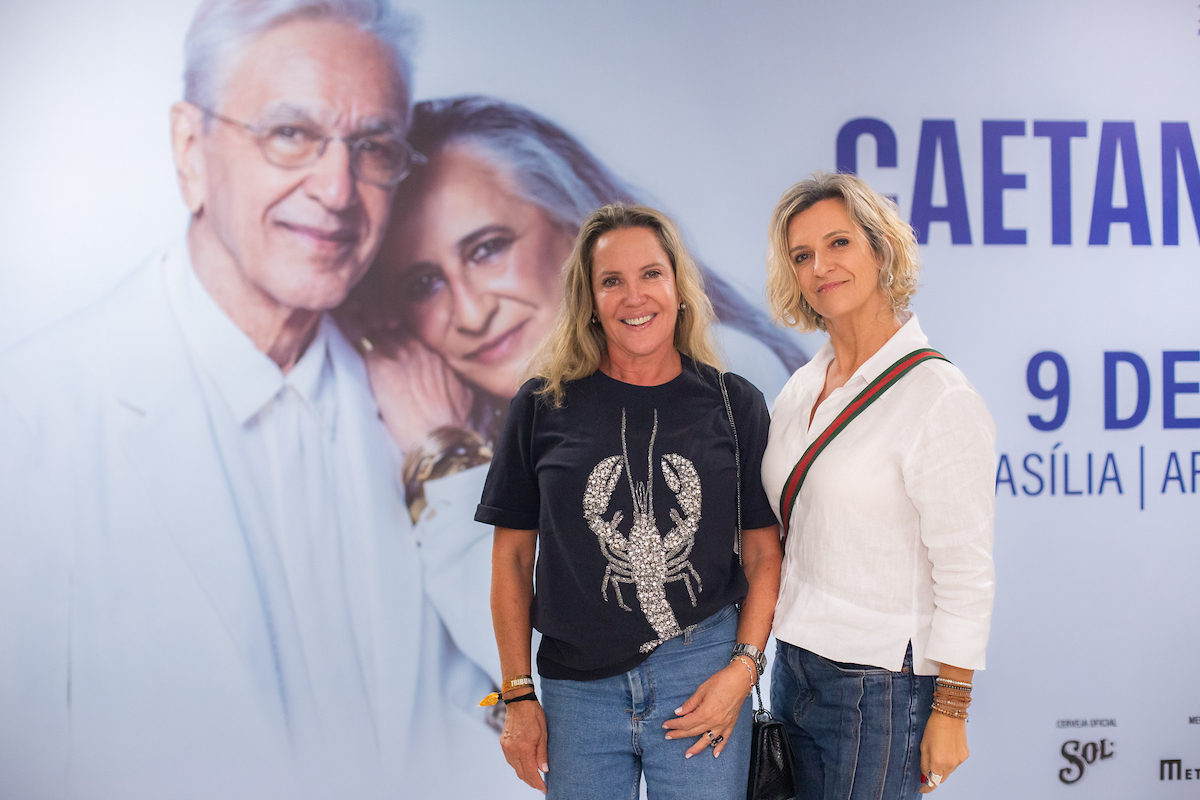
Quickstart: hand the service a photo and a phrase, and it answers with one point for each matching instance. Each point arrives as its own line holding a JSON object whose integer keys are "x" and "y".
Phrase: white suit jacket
{"x": 137, "y": 657}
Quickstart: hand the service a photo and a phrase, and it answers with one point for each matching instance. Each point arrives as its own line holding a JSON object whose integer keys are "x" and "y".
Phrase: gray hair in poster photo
{"x": 222, "y": 587}
{"x": 221, "y": 31}
{"x": 212, "y": 588}
{"x": 467, "y": 282}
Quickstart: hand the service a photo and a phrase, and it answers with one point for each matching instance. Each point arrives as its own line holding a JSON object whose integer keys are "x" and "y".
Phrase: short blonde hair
{"x": 575, "y": 345}
{"x": 892, "y": 241}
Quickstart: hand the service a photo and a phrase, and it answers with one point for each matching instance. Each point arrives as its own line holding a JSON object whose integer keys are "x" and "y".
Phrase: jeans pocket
{"x": 715, "y": 621}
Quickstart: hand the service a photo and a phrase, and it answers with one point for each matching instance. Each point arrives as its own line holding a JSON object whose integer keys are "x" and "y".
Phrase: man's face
{"x": 299, "y": 237}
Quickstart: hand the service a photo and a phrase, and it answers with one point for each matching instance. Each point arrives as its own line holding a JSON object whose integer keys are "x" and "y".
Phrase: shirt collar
{"x": 312, "y": 376}
{"x": 245, "y": 377}
{"x": 904, "y": 341}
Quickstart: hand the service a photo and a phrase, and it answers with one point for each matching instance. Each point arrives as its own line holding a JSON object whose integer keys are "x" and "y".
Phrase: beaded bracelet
{"x": 949, "y": 684}
{"x": 745, "y": 659}
{"x": 947, "y": 704}
{"x": 949, "y": 712}
{"x": 952, "y": 700}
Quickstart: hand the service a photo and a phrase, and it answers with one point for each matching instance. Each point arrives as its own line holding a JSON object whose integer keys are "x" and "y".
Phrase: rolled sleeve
{"x": 511, "y": 498}
{"x": 753, "y": 422}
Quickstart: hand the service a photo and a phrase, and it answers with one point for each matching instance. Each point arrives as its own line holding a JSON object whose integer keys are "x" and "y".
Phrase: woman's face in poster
{"x": 474, "y": 267}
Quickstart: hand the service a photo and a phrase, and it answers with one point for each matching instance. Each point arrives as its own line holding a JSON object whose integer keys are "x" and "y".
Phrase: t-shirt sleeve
{"x": 753, "y": 421}
{"x": 511, "y": 498}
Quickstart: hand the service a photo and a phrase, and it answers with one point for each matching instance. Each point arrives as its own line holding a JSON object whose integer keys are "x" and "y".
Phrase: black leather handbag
{"x": 771, "y": 766}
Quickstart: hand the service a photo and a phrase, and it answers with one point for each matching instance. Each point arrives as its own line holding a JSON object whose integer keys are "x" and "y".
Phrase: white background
{"x": 712, "y": 110}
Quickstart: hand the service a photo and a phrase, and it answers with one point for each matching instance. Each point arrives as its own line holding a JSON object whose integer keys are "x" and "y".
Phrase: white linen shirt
{"x": 890, "y": 538}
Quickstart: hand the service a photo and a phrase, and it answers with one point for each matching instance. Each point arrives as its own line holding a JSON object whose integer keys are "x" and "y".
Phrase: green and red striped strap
{"x": 791, "y": 489}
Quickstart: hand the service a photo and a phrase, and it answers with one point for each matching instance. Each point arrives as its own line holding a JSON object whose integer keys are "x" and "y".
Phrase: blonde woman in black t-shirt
{"x": 619, "y": 468}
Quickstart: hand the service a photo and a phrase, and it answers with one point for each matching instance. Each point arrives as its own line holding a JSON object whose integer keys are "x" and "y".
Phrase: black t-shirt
{"x": 632, "y": 490}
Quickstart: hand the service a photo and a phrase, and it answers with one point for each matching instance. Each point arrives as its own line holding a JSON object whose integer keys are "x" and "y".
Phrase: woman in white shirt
{"x": 886, "y": 596}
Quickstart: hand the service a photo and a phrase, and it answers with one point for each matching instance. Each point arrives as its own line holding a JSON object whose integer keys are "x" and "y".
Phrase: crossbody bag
{"x": 876, "y": 388}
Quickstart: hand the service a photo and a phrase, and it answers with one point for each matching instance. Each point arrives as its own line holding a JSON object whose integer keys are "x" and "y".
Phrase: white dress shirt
{"x": 890, "y": 538}
{"x": 284, "y": 426}
{"x": 318, "y": 560}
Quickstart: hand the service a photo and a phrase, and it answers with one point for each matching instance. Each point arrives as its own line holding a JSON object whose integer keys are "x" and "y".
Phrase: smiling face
{"x": 474, "y": 268}
{"x": 634, "y": 290}
{"x": 299, "y": 238}
{"x": 836, "y": 269}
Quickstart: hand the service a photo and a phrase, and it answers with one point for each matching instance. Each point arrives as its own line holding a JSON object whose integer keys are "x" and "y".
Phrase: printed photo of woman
{"x": 467, "y": 282}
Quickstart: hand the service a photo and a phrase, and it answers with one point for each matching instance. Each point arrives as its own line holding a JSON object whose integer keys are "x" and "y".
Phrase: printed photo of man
{"x": 212, "y": 586}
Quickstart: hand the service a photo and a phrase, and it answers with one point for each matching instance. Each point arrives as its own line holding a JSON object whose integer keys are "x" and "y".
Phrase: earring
{"x": 594, "y": 320}
{"x": 890, "y": 280}
{"x": 682, "y": 306}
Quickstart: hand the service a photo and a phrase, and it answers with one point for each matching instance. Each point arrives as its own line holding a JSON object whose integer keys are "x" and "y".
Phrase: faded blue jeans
{"x": 604, "y": 734}
{"x": 855, "y": 729}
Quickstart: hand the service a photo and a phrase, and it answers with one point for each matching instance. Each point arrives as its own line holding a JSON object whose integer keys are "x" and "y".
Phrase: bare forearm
{"x": 761, "y": 559}
{"x": 513, "y": 555}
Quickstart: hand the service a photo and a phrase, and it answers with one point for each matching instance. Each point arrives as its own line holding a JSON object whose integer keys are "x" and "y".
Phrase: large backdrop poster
{"x": 1046, "y": 154}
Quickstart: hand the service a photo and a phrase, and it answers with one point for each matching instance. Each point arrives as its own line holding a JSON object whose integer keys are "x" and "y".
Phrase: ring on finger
{"x": 713, "y": 740}
{"x": 935, "y": 780}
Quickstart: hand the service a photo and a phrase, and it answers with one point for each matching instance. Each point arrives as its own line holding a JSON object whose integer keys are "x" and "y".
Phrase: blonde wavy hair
{"x": 575, "y": 344}
{"x": 892, "y": 241}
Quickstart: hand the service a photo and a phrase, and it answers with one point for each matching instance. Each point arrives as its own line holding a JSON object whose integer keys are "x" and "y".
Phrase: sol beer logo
{"x": 1080, "y": 756}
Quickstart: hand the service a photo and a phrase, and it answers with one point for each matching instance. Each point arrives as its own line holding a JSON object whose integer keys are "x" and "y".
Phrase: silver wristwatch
{"x": 756, "y": 655}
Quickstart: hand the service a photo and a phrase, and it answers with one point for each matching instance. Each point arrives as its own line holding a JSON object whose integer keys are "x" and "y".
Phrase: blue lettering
{"x": 1060, "y": 391}
{"x": 1177, "y": 144}
{"x": 1104, "y": 214}
{"x": 933, "y": 132}
{"x": 1004, "y": 467}
{"x": 1060, "y": 135}
{"x": 1041, "y": 484}
{"x": 847, "y": 143}
{"x": 1111, "y": 420}
{"x": 996, "y": 180}
{"x": 1104, "y": 477}
{"x": 1178, "y": 476}
{"x": 1053, "y": 462}
{"x": 1172, "y": 388}
{"x": 1067, "y": 476}
{"x": 1195, "y": 468}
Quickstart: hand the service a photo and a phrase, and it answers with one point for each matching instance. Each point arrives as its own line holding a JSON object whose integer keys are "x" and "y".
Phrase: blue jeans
{"x": 603, "y": 734}
{"x": 855, "y": 730}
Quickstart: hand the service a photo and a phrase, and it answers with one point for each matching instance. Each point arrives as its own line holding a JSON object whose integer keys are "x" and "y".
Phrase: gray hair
{"x": 221, "y": 29}
{"x": 552, "y": 170}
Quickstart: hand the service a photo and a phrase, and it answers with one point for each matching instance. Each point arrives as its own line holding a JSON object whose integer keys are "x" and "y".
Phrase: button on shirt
{"x": 891, "y": 535}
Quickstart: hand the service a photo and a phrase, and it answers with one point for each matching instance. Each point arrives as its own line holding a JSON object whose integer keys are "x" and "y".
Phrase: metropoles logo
{"x": 1171, "y": 769}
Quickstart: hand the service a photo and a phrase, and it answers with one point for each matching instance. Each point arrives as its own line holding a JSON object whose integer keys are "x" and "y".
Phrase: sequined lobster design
{"x": 646, "y": 559}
